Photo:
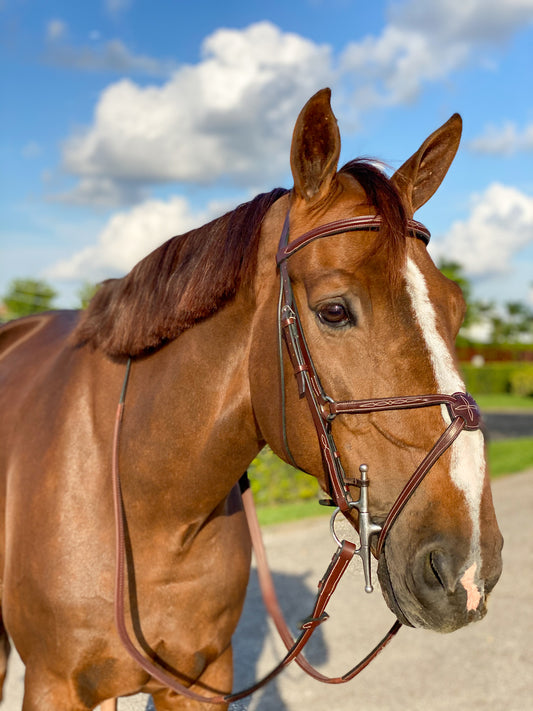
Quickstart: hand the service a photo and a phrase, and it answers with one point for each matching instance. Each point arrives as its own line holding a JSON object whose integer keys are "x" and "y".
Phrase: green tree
{"x": 454, "y": 271}
{"x": 507, "y": 323}
{"x": 86, "y": 293}
{"x": 511, "y": 324}
{"x": 28, "y": 296}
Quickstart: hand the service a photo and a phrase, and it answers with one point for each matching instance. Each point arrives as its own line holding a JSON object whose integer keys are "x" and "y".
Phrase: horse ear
{"x": 316, "y": 146}
{"x": 420, "y": 176}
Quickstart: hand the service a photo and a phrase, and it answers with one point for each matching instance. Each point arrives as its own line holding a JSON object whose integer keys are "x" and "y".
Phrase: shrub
{"x": 275, "y": 482}
{"x": 522, "y": 382}
{"x": 492, "y": 378}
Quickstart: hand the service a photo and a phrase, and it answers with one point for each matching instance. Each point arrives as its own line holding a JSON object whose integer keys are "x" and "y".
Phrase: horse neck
{"x": 189, "y": 425}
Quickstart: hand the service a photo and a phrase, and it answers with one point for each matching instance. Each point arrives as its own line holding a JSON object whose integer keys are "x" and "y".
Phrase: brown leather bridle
{"x": 462, "y": 408}
{"x": 464, "y": 414}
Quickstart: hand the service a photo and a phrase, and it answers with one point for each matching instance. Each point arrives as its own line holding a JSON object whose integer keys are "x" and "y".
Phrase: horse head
{"x": 379, "y": 321}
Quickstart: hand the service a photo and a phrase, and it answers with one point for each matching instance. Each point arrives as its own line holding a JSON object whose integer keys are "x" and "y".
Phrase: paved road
{"x": 501, "y": 425}
{"x": 485, "y": 667}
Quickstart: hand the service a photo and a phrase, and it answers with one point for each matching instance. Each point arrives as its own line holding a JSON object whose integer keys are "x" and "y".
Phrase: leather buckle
{"x": 311, "y": 622}
{"x": 326, "y": 411}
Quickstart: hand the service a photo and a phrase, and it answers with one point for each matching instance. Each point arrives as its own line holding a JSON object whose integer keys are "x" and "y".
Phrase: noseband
{"x": 462, "y": 408}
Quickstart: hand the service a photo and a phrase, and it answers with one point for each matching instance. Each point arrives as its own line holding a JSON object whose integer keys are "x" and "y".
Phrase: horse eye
{"x": 334, "y": 314}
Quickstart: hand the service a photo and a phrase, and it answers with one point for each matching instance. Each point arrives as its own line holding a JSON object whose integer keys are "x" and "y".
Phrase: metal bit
{"x": 367, "y": 528}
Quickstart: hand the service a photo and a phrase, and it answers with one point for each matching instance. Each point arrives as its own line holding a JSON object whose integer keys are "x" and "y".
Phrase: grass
{"x": 282, "y": 513}
{"x": 503, "y": 402}
{"x": 506, "y": 456}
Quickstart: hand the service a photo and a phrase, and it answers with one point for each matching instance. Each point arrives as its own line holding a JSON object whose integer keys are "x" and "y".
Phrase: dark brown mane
{"x": 180, "y": 283}
{"x": 191, "y": 276}
{"x": 382, "y": 194}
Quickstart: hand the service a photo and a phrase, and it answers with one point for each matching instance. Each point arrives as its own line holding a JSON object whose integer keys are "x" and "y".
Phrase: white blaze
{"x": 467, "y": 469}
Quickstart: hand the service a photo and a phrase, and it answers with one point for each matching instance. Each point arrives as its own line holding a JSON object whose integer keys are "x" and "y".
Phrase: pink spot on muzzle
{"x": 473, "y": 596}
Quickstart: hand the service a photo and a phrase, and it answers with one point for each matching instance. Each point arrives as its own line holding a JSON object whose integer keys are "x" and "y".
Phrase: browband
{"x": 350, "y": 224}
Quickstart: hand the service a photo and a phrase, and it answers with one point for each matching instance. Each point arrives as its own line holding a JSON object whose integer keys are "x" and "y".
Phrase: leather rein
{"x": 464, "y": 414}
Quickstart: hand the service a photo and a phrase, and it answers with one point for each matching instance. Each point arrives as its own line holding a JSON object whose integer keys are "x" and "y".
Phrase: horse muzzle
{"x": 437, "y": 588}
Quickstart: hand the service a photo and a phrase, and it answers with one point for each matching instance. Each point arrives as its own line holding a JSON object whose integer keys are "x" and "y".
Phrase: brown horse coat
{"x": 199, "y": 317}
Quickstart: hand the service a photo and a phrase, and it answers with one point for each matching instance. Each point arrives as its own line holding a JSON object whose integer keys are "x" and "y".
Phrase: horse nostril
{"x": 439, "y": 570}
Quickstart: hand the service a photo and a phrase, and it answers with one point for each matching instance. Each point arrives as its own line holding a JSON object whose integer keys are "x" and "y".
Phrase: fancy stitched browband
{"x": 362, "y": 223}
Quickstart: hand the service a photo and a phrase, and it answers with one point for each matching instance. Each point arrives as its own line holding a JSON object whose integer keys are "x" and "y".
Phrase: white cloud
{"x": 102, "y": 192}
{"x": 115, "y": 7}
{"x": 32, "y": 149}
{"x": 129, "y": 236}
{"x": 504, "y": 140}
{"x": 426, "y": 41}
{"x": 111, "y": 56}
{"x": 230, "y": 115}
{"x": 394, "y": 66}
{"x": 55, "y": 30}
{"x": 499, "y": 226}
{"x": 471, "y": 21}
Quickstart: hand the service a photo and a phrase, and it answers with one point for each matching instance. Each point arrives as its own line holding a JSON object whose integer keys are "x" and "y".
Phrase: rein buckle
{"x": 326, "y": 411}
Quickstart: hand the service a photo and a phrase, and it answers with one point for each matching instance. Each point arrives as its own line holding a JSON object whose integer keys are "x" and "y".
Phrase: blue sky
{"x": 125, "y": 122}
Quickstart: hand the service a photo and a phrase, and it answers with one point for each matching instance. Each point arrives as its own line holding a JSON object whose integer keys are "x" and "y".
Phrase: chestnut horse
{"x": 198, "y": 317}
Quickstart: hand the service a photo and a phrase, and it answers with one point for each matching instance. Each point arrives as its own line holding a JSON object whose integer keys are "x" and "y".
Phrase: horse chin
{"x": 445, "y": 616}
{"x": 387, "y": 591}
